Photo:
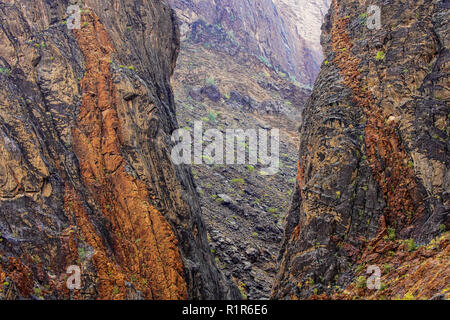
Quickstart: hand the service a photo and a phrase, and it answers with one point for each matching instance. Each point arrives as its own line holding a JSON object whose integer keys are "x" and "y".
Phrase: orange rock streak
{"x": 144, "y": 248}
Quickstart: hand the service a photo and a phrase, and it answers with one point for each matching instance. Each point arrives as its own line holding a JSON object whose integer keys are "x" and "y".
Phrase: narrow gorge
{"x": 92, "y": 93}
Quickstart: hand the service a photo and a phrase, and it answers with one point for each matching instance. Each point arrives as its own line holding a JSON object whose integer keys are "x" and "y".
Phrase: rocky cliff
{"x": 373, "y": 174}
{"x": 85, "y": 172}
{"x": 282, "y": 33}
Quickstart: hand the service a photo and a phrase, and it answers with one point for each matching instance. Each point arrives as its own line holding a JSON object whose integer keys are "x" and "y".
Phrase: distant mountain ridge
{"x": 283, "y": 33}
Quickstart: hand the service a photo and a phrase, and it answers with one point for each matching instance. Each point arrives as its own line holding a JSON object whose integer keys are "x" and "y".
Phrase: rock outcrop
{"x": 373, "y": 174}
{"x": 86, "y": 178}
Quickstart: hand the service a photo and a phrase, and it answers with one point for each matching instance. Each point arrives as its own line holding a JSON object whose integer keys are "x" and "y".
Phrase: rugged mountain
{"x": 86, "y": 177}
{"x": 284, "y": 34}
{"x": 373, "y": 174}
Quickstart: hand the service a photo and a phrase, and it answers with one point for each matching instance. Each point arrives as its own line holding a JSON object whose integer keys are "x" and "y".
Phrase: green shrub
{"x": 360, "y": 268}
{"x": 387, "y": 268}
{"x": 391, "y": 233}
{"x": 411, "y": 245}
{"x": 210, "y": 82}
{"x": 361, "y": 282}
{"x": 212, "y": 116}
{"x": 116, "y": 290}
{"x": 380, "y": 55}
{"x": 81, "y": 252}
{"x": 409, "y": 296}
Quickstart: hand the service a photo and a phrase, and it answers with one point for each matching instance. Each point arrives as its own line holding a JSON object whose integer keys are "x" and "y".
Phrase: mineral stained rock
{"x": 86, "y": 179}
{"x": 373, "y": 174}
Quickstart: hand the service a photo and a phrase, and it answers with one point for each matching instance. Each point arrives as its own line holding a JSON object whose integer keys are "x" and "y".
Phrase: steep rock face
{"x": 85, "y": 172}
{"x": 302, "y": 19}
{"x": 373, "y": 179}
{"x": 267, "y": 29}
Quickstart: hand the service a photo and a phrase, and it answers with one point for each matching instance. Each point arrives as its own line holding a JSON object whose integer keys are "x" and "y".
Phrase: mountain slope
{"x": 373, "y": 180}
{"x": 223, "y": 79}
{"x": 85, "y": 170}
{"x": 270, "y": 30}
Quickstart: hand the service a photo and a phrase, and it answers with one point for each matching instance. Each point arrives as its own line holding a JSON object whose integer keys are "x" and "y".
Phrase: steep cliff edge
{"x": 373, "y": 175}
{"x": 85, "y": 172}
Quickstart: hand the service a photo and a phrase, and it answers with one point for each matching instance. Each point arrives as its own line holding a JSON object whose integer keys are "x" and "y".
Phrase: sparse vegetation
{"x": 116, "y": 290}
{"x": 81, "y": 252}
{"x": 212, "y": 116}
{"x": 265, "y": 61}
{"x": 361, "y": 282}
{"x": 411, "y": 245}
{"x": 238, "y": 181}
{"x": 391, "y": 233}
{"x": 210, "y": 81}
{"x": 380, "y": 55}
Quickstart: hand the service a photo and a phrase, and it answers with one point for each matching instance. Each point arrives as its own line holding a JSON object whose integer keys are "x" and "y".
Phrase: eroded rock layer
{"x": 85, "y": 172}
{"x": 373, "y": 178}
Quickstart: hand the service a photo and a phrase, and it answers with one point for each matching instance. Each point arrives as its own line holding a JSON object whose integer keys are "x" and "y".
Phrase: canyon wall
{"x": 282, "y": 33}
{"x": 86, "y": 178}
{"x": 373, "y": 173}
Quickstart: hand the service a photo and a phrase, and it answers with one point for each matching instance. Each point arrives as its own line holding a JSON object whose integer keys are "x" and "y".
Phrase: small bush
{"x": 380, "y": 55}
{"x": 361, "y": 282}
{"x": 360, "y": 268}
{"x": 212, "y": 116}
{"x": 210, "y": 82}
{"x": 391, "y": 233}
{"x": 116, "y": 290}
{"x": 81, "y": 252}
{"x": 411, "y": 245}
{"x": 409, "y": 296}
